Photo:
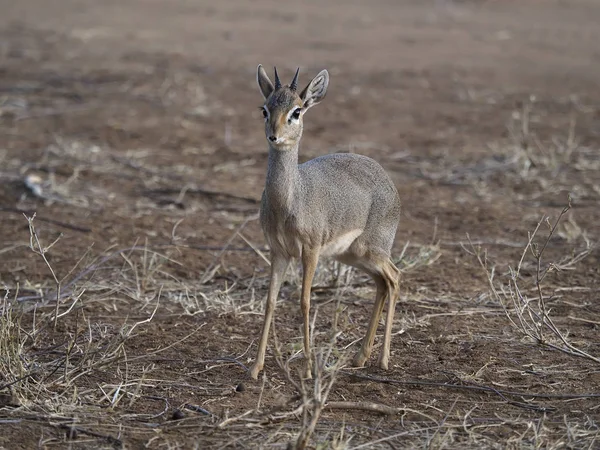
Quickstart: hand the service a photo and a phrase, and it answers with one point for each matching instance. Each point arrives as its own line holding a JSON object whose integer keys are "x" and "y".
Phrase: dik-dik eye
{"x": 294, "y": 115}
{"x": 265, "y": 113}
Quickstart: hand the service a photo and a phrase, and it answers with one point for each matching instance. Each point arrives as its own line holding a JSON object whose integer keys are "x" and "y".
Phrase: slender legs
{"x": 392, "y": 280}
{"x": 278, "y": 268}
{"x": 386, "y": 278}
{"x": 367, "y": 344}
{"x": 310, "y": 258}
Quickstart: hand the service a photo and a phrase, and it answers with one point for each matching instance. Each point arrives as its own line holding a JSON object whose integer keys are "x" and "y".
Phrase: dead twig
{"x": 364, "y": 406}
{"x": 529, "y": 317}
{"x": 211, "y": 269}
{"x": 201, "y": 191}
{"x": 45, "y": 219}
{"x": 34, "y": 241}
{"x": 470, "y": 387}
{"x": 73, "y": 431}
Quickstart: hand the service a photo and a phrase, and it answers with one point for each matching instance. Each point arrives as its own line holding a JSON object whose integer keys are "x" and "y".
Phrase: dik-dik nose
{"x": 272, "y": 138}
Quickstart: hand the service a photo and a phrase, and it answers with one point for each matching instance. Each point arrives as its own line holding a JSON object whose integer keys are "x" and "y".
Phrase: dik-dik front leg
{"x": 310, "y": 258}
{"x": 278, "y": 267}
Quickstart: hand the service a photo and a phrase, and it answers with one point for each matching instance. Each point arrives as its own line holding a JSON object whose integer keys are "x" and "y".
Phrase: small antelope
{"x": 339, "y": 205}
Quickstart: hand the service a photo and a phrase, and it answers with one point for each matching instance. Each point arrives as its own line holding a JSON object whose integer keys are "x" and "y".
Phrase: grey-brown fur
{"x": 339, "y": 205}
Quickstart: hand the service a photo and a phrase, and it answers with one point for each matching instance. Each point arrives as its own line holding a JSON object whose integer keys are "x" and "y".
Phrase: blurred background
{"x": 93, "y": 90}
{"x": 128, "y": 124}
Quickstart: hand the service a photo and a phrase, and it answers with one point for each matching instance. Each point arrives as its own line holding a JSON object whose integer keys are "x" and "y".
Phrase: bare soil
{"x": 138, "y": 123}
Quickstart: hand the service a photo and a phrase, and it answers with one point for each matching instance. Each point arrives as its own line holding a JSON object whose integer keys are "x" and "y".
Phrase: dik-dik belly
{"x": 289, "y": 240}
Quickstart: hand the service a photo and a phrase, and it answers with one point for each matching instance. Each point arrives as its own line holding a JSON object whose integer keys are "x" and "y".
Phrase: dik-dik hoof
{"x": 308, "y": 374}
{"x": 383, "y": 362}
{"x": 255, "y": 370}
{"x": 359, "y": 360}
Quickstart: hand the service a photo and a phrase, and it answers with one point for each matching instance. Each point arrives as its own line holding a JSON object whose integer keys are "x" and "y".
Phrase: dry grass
{"x": 529, "y": 314}
{"x": 50, "y": 383}
{"x": 114, "y": 352}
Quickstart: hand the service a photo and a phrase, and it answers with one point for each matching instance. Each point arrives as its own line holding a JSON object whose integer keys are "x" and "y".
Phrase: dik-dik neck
{"x": 282, "y": 177}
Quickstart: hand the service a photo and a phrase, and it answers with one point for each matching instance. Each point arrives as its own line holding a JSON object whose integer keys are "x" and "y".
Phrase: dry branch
{"x": 45, "y": 219}
{"x": 533, "y": 322}
{"x": 468, "y": 386}
{"x": 364, "y": 406}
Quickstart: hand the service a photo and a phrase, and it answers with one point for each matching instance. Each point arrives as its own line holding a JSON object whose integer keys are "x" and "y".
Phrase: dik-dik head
{"x": 284, "y": 108}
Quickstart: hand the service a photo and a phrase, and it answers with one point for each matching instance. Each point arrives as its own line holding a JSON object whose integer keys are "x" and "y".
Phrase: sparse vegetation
{"x": 530, "y": 314}
{"x": 133, "y": 269}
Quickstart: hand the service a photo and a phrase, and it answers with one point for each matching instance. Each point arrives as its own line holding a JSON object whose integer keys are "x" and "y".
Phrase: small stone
{"x": 71, "y": 433}
{"x": 9, "y": 400}
{"x": 177, "y": 415}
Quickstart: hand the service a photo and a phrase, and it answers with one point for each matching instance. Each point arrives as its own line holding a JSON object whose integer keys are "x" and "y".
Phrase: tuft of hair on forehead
{"x": 283, "y": 97}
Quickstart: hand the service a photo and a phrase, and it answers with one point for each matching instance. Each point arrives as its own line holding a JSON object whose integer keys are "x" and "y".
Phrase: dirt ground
{"x": 132, "y": 131}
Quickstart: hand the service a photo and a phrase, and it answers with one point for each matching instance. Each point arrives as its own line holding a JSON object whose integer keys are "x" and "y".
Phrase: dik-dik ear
{"x": 316, "y": 89}
{"x": 265, "y": 85}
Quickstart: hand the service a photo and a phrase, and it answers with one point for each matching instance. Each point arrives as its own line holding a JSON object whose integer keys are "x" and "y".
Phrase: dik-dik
{"x": 339, "y": 205}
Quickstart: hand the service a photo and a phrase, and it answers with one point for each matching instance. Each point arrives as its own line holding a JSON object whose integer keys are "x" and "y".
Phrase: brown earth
{"x": 140, "y": 121}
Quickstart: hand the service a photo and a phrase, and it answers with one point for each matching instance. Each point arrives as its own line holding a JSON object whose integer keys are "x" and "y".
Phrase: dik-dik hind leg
{"x": 392, "y": 278}
{"x": 310, "y": 258}
{"x": 364, "y": 353}
{"x": 278, "y": 267}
